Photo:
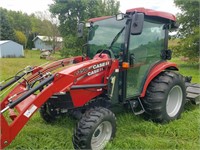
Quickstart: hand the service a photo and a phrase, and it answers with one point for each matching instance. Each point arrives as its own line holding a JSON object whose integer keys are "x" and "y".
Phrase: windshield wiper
{"x": 116, "y": 37}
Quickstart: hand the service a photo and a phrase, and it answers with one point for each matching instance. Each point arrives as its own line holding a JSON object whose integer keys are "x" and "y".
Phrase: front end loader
{"x": 125, "y": 63}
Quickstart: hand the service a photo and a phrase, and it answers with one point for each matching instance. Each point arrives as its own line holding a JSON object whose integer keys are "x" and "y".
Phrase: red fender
{"x": 155, "y": 71}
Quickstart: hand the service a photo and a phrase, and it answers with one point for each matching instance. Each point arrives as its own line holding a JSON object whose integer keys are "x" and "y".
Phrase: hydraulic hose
{"x": 28, "y": 93}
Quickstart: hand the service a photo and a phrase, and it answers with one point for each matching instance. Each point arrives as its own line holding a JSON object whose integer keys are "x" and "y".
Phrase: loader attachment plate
{"x": 193, "y": 93}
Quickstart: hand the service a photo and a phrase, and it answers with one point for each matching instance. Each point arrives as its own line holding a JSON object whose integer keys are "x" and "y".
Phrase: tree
{"x": 71, "y": 12}
{"x": 30, "y": 43}
{"x": 20, "y": 21}
{"x": 28, "y": 25}
{"x": 20, "y": 38}
{"x": 189, "y": 28}
{"x": 49, "y": 28}
{"x": 6, "y": 30}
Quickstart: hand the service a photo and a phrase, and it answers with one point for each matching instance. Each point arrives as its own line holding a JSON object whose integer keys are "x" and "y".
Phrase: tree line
{"x": 22, "y": 28}
{"x": 188, "y": 33}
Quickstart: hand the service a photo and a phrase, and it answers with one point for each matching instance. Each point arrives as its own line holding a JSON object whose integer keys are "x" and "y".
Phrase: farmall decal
{"x": 81, "y": 71}
{"x": 97, "y": 68}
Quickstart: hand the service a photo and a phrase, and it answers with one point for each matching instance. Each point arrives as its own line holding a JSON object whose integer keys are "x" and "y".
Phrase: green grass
{"x": 189, "y": 69}
{"x": 133, "y": 132}
{"x": 10, "y": 66}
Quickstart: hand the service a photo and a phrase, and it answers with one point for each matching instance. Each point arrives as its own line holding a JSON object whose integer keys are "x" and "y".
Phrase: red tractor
{"x": 125, "y": 63}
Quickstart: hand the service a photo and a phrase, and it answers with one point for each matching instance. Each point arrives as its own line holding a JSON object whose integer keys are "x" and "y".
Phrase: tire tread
{"x": 89, "y": 120}
{"x": 155, "y": 94}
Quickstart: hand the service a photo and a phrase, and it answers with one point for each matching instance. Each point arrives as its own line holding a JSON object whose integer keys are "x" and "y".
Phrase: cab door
{"x": 144, "y": 51}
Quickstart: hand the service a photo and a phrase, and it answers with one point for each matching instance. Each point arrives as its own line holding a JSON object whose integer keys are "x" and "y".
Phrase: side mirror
{"x": 137, "y": 23}
{"x": 80, "y": 30}
{"x": 175, "y": 25}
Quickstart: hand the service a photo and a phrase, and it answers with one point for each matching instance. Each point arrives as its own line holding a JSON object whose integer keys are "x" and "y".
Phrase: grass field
{"x": 132, "y": 131}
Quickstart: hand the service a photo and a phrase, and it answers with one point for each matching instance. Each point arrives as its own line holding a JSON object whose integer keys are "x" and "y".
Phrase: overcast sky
{"x": 31, "y": 6}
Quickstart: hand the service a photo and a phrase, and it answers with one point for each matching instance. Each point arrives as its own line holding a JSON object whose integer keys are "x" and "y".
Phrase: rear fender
{"x": 157, "y": 69}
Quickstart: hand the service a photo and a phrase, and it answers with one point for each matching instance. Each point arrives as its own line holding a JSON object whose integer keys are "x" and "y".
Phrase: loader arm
{"x": 22, "y": 103}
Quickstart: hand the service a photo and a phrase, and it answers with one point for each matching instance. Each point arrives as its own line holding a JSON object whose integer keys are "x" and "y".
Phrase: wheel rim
{"x": 101, "y": 135}
{"x": 174, "y": 101}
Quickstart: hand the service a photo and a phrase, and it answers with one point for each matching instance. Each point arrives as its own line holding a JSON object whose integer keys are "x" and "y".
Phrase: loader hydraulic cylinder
{"x": 27, "y": 94}
{"x": 16, "y": 78}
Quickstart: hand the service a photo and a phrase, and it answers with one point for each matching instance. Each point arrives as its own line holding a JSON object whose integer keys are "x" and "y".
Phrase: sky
{"x": 31, "y": 6}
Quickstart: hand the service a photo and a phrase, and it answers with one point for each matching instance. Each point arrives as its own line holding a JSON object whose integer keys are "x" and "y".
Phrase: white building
{"x": 47, "y": 43}
{"x": 10, "y": 48}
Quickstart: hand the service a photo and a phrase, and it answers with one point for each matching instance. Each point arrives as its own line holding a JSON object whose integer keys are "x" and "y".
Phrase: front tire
{"x": 165, "y": 97}
{"x": 96, "y": 127}
{"x": 46, "y": 114}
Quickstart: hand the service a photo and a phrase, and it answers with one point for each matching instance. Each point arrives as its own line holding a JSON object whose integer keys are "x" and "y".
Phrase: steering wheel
{"x": 106, "y": 51}
{"x": 117, "y": 49}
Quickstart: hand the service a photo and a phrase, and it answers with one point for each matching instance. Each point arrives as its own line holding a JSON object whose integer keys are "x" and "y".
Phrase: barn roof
{"x": 46, "y": 38}
{"x": 3, "y": 41}
{"x": 8, "y": 41}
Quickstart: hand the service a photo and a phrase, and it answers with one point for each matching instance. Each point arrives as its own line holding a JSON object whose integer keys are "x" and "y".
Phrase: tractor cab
{"x": 138, "y": 39}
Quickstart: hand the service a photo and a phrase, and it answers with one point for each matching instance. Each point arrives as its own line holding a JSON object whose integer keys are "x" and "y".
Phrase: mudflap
{"x": 193, "y": 93}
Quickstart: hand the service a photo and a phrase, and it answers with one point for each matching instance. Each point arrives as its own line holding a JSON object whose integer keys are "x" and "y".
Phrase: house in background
{"x": 47, "y": 43}
{"x": 10, "y": 48}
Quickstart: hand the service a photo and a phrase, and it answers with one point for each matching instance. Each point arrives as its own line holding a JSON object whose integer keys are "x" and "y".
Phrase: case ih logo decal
{"x": 103, "y": 64}
{"x": 94, "y": 69}
{"x": 98, "y": 68}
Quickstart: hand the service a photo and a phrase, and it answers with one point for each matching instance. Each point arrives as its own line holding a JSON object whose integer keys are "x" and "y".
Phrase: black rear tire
{"x": 96, "y": 127}
{"x": 165, "y": 97}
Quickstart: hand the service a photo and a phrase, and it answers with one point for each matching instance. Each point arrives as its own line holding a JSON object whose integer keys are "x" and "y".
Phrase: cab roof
{"x": 147, "y": 12}
{"x": 151, "y": 12}
{"x": 99, "y": 18}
